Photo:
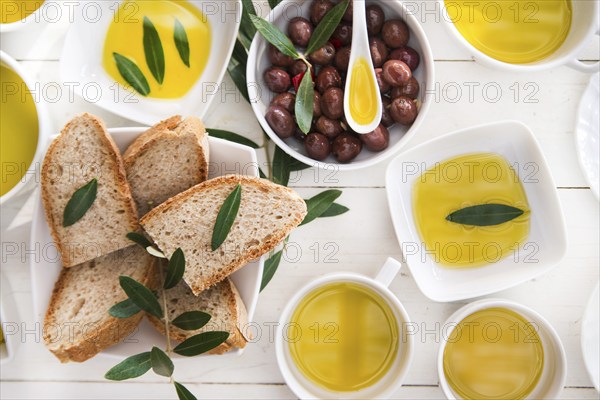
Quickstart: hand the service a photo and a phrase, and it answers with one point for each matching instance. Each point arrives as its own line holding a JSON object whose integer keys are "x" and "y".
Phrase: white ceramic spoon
{"x": 362, "y": 100}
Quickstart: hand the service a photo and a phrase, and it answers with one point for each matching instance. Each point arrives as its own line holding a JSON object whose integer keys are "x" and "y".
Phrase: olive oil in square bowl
{"x": 452, "y": 262}
{"x": 189, "y": 43}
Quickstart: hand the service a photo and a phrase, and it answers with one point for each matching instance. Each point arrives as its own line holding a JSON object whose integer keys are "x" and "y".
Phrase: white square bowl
{"x": 81, "y": 63}
{"x": 545, "y": 245}
{"x": 225, "y": 158}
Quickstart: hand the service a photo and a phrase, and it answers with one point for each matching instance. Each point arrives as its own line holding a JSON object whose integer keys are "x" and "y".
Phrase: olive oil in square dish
{"x": 471, "y": 210}
{"x": 160, "y": 48}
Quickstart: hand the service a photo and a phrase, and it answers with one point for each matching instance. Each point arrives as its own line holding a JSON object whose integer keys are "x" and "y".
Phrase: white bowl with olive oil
{"x": 476, "y": 211}
{"x": 17, "y": 14}
{"x": 499, "y": 349}
{"x": 523, "y": 35}
{"x": 148, "y": 60}
{"x": 24, "y": 126}
{"x": 344, "y": 335}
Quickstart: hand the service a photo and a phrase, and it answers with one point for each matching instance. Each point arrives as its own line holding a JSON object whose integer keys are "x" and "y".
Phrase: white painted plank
{"x": 44, "y": 41}
{"x": 358, "y": 241}
{"x": 133, "y": 391}
{"x": 549, "y": 111}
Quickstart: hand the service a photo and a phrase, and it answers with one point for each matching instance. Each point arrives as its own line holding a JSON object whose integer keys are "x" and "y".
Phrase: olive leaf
{"x": 304, "y": 103}
{"x": 334, "y": 210}
{"x": 232, "y": 137}
{"x": 80, "y": 202}
{"x": 132, "y": 74}
{"x": 141, "y": 296}
{"x": 273, "y": 35}
{"x": 131, "y": 367}
{"x": 175, "y": 269}
{"x": 155, "y": 56}
{"x": 318, "y": 204}
{"x": 238, "y": 76}
{"x": 182, "y": 392}
{"x": 161, "y": 363}
{"x": 225, "y": 217}
{"x": 181, "y": 43}
{"x": 274, "y": 3}
{"x": 124, "y": 309}
{"x": 239, "y": 54}
{"x": 271, "y": 265}
{"x": 201, "y": 343}
{"x": 191, "y": 320}
{"x": 326, "y": 27}
{"x": 139, "y": 239}
{"x": 484, "y": 214}
{"x": 247, "y": 28}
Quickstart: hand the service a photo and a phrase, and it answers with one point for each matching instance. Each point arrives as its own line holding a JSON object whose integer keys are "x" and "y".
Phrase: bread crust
{"x": 69, "y": 259}
{"x": 106, "y": 332}
{"x": 299, "y": 212}
{"x": 171, "y": 128}
{"x": 236, "y": 308}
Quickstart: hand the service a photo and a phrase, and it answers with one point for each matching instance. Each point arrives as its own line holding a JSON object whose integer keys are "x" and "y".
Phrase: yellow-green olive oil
{"x": 469, "y": 180}
{"x": 343, "y": 337}
{"x": 512, "y": 31}
{"x": 494, "y": 353}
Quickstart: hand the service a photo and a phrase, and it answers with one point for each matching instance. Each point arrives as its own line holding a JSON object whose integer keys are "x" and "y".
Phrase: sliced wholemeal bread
{"x": 84, "y": 151}
{"x": 169, "y": 158}
{"x": 222, "y": 301}
{"x": 77, "y": 324}
{"x": 267, "y": 214}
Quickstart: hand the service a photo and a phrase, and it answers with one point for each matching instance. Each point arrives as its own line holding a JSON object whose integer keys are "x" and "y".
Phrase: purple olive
{"x": 395, "y": 33}
{"x": 346, "y": 147}
{"x": 281, "y": 121}
{"x": 396, "y": 72}
{"x": 278, "y": 58}
{"x": 408, "y": 55}
{"x": 277, "y": 80}
{"x": 317, "y": 146}
{"x": 300, "y": 31}
{"x": 404, "y": 110}
{"x": 376, "y": 140}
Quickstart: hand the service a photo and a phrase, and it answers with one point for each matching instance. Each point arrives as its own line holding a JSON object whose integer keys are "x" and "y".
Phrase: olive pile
{"x": 393, "y": 61}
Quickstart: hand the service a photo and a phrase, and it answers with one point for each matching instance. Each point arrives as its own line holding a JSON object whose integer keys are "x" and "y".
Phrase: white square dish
{"x": 81, "y": 63}
{"x": 225, "y": 158}
{"x": 546, "y": 244}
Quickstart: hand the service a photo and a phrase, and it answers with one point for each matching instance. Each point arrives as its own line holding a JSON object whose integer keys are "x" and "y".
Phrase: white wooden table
{"x": 358, "y": 241}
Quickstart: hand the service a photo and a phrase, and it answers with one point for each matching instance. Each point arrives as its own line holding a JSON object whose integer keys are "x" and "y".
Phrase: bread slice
{"x": 267, "y": 214}
{"x": 167, "y": 159}
{"x": 77, "y": 324}
{"x": 222, "y": 301}
{"x": 81, "y": 152}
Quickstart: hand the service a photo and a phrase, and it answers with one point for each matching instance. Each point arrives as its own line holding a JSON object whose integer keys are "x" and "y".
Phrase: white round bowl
{"x": 554, "y": 373}
{"x": 260, "y": 96}
{"x": 584, "y": 25}
{"x": 387, "y": 385}
{"x": 43, "y": 129}
{"x": 35, "y": 16}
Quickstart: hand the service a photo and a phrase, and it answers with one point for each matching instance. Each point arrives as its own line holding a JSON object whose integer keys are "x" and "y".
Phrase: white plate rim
{"x": 583, "y": 133}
